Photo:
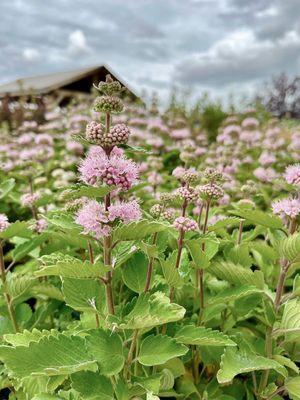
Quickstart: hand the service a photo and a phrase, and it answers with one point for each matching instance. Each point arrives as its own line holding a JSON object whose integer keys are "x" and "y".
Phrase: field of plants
{"x": 142, "y": 258}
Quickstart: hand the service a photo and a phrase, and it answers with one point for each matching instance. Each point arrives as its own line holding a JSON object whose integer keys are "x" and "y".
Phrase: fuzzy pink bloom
{"x": 115, "y": 170}
{"x": 74, "y": 147}
{"x": 154, "y": 178}
{"x": 127, "y": 212}
{"x": 185, "y": 224}
{"x": 250, "y": 122}
{"x": 28, "y": 199}
{"x": 265, "y": 174}
{"x": 266, "y": 158}
{"x": 287, "y": 207}
{"x": 40, "y": 225}
{"x": 180, "y": 134}
{"x": 44, "y": 139}
{"x": 292, "y": 174}
{"x": 93, "y": 218}
{"x": 178, "y": 172}
{"x": 4, "y": 224}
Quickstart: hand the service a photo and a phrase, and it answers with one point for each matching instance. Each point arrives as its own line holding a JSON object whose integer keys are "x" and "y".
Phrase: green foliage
{"x": 156, "y": 350}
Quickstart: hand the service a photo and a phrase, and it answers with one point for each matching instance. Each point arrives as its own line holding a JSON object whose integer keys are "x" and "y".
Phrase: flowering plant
{"x": 169, "y": 270}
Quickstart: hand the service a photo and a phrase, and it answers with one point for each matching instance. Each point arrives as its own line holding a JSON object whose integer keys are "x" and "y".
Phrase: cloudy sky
{"x": 224, "y": 46}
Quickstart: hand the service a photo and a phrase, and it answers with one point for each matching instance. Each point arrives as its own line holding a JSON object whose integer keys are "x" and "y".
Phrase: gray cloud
{"x": 153, "y": 44}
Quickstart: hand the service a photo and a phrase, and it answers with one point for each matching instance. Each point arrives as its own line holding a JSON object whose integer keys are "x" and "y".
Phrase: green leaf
{"x": 74, "y": 269}
{"x": 152, "y": 310}
{"x": 286, "y": 362}
{"x": 26, "y": 337}
{"x": 6, "y": 186}
{"x": 234, "y": 362}
{"x": 290, "y": 322}
{"x": 233, "y": 294}
{"x": 258, "y": 217}
{"x": 292, "y": 385}
{"x": 289, "y": 248}
{"x": 224, "y": 223}
{"x": 83, "y": 294}
{"x": 200, "y": 258}
{"x": 150, "y": 384}
{"x": 25, "y": 248}
{"x": 135, "y": 272}
{"x": 17, "y": 228}
{"x": 107, "y": 349}
{"x": 19, "y": 285}
{"x": 138, "y": 230}
{"x": 156, "y": 350}
{"x": 237, "y": 274}
{"x": 92, "y": 386}
{"x": 87, "y": 191}
{"x": 200, "y": 336}
{"x": 52, "y": 355}
{"x": 171, "y": 273}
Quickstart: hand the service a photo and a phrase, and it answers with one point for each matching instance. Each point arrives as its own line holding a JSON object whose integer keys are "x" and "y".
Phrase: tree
{"x": 282, "y": 96}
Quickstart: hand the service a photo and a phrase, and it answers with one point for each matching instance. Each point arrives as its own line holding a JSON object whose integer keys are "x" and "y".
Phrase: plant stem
{"x": 177, "y": 264}
{"x": 7, "y": 297}
{"x": 107, "y": 242}
{"x": 127, "y": 372}
{"x": 150, "y": 266}
{"x": 239, "y": 238}
{"x": 91, "y": 253}
{"x": 277, "y": 302}
{"x": 201, "y": 270}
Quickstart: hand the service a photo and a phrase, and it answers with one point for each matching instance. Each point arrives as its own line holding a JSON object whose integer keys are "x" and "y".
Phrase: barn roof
{"x": 43, "y": 84}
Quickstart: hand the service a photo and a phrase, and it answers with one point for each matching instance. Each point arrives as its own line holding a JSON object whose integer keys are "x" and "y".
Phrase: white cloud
{"x": 77, "y": 43}
{"x": 31, "y": 55}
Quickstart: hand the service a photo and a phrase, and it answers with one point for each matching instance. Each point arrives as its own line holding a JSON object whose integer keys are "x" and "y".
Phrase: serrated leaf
{"x": 83, "y": 294}
{"x": 171, "y": 273}
{"x": 88, "y": 191}
{"x": 138, "y": 230}
{"x": 19, "y": 285}
{"x": 224, "y": 223}
{"x": 286, "y": 362}
{"x": 152, "y": 310}
{"x": 292, "y": 385}
{"x": 200, "y": 336}
{"x": 237, "y": 274}
{"x": 17, "y": 228}
{"x": 289, "y": 248}
{"x": 6, "y": 186}
{"x": 200, "y": 258}
{"x": 259, "y": 217}
{"x": 92, "y": 386}
{"x": 107, "y": 349}
{"x": 53, "y": 355}
{"x": 74, "y": 269}
{"x": 290, "y": 322}
{"x": 48, "y": 290}
{"x": 26, "y": 337}
{"x": 134, "y": 272}
{"x": 25, "y": 248}
{"x": 234, "y": 362}
{"x": 233, "y": 294}
{"x": 156, "y": 350}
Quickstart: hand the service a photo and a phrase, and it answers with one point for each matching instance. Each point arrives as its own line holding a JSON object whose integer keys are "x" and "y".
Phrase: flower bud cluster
{"x": 185, "y": 224}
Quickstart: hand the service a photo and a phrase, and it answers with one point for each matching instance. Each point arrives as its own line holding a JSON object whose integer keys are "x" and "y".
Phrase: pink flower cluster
{"x": 115, "y": 170}
{"x": 95, "y": 220}
{"x": 287, "y": 208}
{"x": 292, "y": 174}
{"x": 185, "y": 224}
{"x": 28, "y": 199}
{"x": 4, "y": 224}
